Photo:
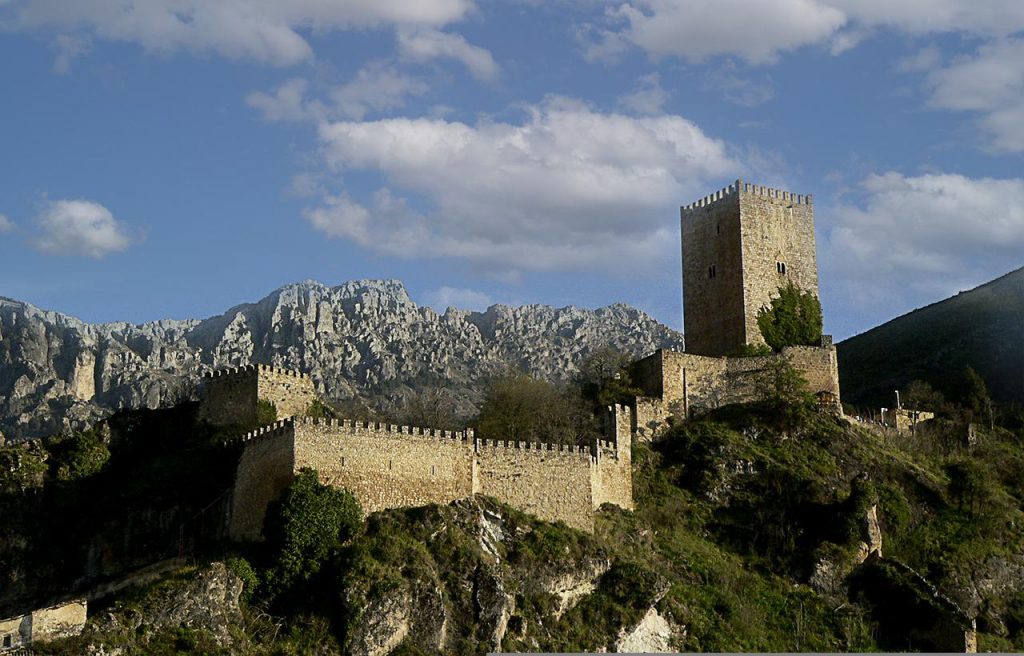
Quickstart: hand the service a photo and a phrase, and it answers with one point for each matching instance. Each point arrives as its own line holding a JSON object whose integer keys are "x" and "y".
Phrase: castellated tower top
{"x": 740, "y": 245}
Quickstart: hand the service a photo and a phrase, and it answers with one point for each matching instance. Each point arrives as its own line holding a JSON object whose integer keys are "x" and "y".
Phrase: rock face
{"x": 360, "y": 339}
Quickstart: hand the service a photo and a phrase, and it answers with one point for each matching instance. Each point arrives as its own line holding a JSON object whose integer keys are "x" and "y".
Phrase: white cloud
{"x": 261, "y": 30}
{"x": 376, "y": 87}
{"x": 465, "y": 299}
{"x": 68, "y": 47}
{"x": 647, "y": 97}
{"x": 928, "y": 235}
{"x": 79, "y": 227}
{"x": 992, "y": 83}
{"x": 428, "y": 44}
{"x": 287, "y": 103}
{"x": 6, "y": 225}
{"x": 568, "y": 188}
{"x": 925, "y": 59}
{"x": 697, "y": 29}
{"x": 760, "y": 31}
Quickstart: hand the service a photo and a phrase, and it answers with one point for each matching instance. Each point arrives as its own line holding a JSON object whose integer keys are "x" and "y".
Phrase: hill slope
{"x": 364, "y": 338}
{"x": 983, "y": 328}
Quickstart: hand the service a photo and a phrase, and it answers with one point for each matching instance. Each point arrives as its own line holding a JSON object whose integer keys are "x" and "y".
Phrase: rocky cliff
{"x": 360, "y": 339}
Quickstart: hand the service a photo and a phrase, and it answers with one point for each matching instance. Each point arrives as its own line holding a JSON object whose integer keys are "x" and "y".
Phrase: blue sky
{"x": 172, "y": 158}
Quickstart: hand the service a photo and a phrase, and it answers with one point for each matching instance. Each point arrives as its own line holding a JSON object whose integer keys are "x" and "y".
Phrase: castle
{"x": 739, "y": 246}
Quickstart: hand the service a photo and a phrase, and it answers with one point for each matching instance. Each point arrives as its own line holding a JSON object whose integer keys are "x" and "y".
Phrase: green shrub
{"x": 241, "y": 568}
{"x": 21, "y": 468}
{"x": 309, "y": 522}
{"x": 317, "y": 409}
{"x": 78, "y": 455}
{"x": 793, "y": 319}
{"x": 266, "y": 412}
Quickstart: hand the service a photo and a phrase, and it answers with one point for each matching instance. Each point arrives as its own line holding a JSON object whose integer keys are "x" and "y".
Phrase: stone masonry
{"x": 388, "y": 466}
{"x": 50, "y": 623}
{"x": 230, "y": 395}
{"x": 684, "y": 384}
{"x": 739, "y": 246}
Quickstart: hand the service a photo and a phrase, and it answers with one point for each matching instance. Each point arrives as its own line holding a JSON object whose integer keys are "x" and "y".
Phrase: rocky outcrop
{"x": 206, "y": 600}
{"x": 360, "y": 339}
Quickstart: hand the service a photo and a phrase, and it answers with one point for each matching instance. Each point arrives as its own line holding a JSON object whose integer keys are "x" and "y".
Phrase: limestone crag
{"x": 360, "y": 339}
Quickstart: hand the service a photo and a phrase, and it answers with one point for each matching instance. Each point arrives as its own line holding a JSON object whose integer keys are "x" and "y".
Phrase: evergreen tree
{"x": 794, "y": 319}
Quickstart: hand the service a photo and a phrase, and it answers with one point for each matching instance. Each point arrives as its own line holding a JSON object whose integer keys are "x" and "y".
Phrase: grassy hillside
{"x": 982, "y": 328}
{"x": 736, "y": 530}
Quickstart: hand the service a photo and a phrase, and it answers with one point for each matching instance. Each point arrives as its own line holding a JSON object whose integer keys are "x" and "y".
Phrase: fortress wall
{"x": 387, "y": 466}
{"x": 649, "y": 416}
{"x": 612, "y": 481}
{"x": 290, "y": 392}
{"x": 264, "y": 471}
{"x": 697, "y": 383}
{"x": 553, "y": 484}
{"x": 777, "y": 226}
{"x": 820, "y": 366}
{"x": 229, "y": 397}
{"x": 60, "y": 621}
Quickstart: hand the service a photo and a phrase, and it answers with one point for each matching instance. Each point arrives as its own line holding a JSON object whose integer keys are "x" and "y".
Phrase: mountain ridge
{"x": 360, "y": 338}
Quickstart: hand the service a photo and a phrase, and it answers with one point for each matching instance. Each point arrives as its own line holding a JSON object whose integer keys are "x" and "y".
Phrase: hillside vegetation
{"x": 745, "y": 533}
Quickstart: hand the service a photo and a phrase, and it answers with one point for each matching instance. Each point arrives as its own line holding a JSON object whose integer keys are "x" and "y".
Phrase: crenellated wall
{"x": 230, "y": 395}
{"x": 696, "y": 383}
{"x": 388, "y": 466}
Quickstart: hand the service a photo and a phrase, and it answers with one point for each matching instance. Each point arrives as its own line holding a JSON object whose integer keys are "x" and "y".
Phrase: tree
{"x": 604, "y": 377}
{"x": 308, "y": 523}
{"x": 974, "y": 396}
{"x": 519, "y": 407}
{"x": 969, "y": 483}
{"x": 919, "y": 395}
{"x": 784, "y": 389}
{"x": 793, "y": 319}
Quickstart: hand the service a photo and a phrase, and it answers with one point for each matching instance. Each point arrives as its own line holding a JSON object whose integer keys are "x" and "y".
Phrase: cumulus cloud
{"x": 697, "y": 29}
{"x": 428, "y": 44}
{"x": 647, "y": 97}
{"x": 376, "y": 87}
{"x": 929, "y": 235}
{"x": 79, "y": 227}
{"x": 465, "y": 299}
{"x": 6, "y": 225}
{"x": 991, "y": 82}
{"x": 262, "y": 30}
{"x": 759, "y": 32}
{"x": 566, "y": 188}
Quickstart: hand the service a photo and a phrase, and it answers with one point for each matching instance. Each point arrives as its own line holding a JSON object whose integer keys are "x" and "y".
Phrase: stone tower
{"x": 740, "y": 245}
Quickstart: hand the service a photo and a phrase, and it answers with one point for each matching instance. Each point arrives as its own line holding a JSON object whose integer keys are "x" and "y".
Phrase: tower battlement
{"x": 741, "y": 187}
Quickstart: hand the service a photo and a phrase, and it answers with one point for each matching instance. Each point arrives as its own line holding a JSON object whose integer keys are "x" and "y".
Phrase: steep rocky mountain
{"x": 982, "y": 328}
{"x": 361, "y": 339}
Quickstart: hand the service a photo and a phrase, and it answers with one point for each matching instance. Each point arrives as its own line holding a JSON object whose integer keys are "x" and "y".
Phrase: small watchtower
{"x": 740, "y": 245}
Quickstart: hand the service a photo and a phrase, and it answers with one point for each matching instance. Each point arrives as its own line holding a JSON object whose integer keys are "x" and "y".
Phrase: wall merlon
{"x": 779, "y": 194}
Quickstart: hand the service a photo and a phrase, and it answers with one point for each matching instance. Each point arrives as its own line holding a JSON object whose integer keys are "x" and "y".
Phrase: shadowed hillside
{"x": 982, "y": 328}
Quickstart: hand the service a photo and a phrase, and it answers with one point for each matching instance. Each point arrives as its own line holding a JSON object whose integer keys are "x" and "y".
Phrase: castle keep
{"x": 740, "y": 245}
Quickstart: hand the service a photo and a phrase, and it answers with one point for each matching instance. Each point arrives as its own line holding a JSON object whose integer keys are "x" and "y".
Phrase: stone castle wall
{"x": 735, "y": 244}
{"x": 59, "y": 621}
{"x": 689, "y": 384}
{"x": 553, "y": 484}
{"x": 612, "y": 477}
{"x": 266, "y": 468}
{"x": 388, "y": 466}
{"x": 230, "y": 395}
